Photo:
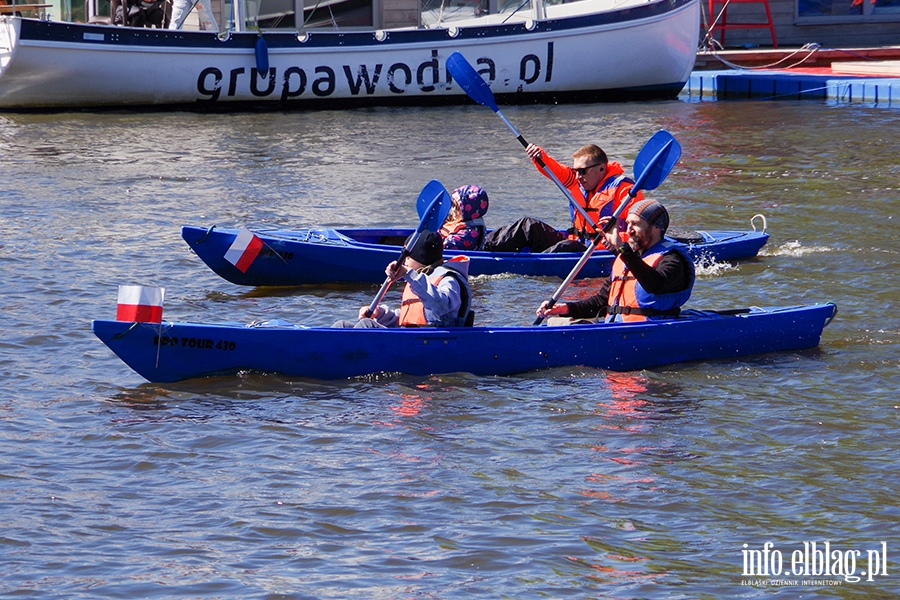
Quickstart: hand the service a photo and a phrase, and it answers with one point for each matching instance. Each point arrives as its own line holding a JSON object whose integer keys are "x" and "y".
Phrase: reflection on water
{"x": 629, "y": 397}
{"x": 564, "y": 483}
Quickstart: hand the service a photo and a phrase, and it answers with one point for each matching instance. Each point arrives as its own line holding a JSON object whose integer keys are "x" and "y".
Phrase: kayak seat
{"x": 470, "y": 319}
{"x": 392, "y": 240}
{"x": 685, "y": 236}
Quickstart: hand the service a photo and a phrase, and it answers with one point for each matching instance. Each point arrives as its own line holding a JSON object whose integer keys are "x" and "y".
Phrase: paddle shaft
{"x": 572, "y": 274}
{"x": 388, "y": 280}
{"x": 547, "y": 172}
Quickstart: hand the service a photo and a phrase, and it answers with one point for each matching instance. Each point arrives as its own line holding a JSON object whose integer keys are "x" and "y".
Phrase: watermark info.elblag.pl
{"x": 815, "y": 564}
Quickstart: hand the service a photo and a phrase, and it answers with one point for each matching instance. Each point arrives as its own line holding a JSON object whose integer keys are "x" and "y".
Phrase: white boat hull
{"x": 636, "y": 53}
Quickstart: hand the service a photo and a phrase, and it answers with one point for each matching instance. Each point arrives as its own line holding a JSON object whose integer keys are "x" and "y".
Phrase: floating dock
{"x": 874, "y": 82}
{"x": 738, "y": 84}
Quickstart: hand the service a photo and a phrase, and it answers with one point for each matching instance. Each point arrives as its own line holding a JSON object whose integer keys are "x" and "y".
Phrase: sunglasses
{"x": 583, "y": 170}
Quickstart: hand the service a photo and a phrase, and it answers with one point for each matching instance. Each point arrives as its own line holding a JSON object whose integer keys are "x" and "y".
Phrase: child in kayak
{"x": 463, "y": 228}
{"x": 436, "y": 294}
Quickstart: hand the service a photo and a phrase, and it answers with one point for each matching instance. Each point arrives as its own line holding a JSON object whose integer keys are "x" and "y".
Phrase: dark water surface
{"x": 569, "y": 483}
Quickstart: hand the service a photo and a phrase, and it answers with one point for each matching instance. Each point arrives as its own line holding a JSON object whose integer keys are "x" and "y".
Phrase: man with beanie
{"x": 650, "y": 279}
{"x": 436, "y": 294}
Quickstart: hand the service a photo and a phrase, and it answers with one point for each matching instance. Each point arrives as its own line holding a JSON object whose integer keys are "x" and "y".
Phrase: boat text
{"x": 284, "y": 254}
{"x": 324, "y": 81}
{"x": 190, "y": 342}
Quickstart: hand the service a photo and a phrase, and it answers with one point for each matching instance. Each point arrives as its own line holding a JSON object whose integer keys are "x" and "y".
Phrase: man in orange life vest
{"x": 436, "y": 294}
{"x": 650, "y": 279}
{"x": 596, "y": 183}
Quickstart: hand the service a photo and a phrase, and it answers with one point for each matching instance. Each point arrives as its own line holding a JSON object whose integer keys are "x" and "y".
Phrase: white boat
{"x": 580, "y": 51}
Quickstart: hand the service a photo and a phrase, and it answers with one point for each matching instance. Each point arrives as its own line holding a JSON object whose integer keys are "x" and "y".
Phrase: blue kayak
{"x": 169, "y": 352}
{"x": 317, "y": 256}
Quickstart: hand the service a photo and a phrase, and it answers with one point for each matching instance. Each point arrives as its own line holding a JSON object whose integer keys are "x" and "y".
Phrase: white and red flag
{"x": 244, "y": 249}
{"x": 139, "y": 303}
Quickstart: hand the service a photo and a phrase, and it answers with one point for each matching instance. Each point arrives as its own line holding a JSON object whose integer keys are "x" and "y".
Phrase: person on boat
{"x": 182, "y": 8}
{"x": 596, "y": 183}
{"x": 463, "y": 229}
{"x": 138, "y": 13}
{"x": 437, "y": 293}
{"x": 651, "y": 278}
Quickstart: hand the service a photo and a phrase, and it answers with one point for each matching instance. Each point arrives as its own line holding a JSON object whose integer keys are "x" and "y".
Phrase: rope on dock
{"x": 810, "y": 50}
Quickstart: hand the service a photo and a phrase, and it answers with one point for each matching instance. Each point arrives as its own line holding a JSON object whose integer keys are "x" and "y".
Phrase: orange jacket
{"x": 600, "y": 202}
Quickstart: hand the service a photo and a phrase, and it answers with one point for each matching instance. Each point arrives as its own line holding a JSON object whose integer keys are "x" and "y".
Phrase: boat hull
{"x": 360, "y": 255}
{"x": 645, "y": 51}
{"x": 170, "y": 352}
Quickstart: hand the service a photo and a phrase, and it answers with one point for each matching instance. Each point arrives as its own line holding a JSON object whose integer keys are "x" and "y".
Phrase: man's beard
{"x": 636, "y": 245}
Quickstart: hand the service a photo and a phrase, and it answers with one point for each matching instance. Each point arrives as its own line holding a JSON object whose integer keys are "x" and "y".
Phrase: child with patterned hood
{"x": 463, "y": 228}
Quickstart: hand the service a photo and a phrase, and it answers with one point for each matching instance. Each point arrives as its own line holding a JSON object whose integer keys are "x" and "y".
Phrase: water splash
{"x": 796, "y": 248}
{"x": 705, "y": 268}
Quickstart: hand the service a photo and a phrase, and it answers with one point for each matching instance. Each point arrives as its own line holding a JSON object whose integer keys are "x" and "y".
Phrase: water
{"x": 567, "y": 483}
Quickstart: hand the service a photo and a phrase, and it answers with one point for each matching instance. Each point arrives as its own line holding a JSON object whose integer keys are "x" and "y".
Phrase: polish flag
{"x": 139, "y": 303}
{"x": 244, "y": 249}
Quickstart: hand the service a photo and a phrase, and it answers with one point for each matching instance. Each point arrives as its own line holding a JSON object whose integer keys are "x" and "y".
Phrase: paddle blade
{"x": 655, "y": 161}
{"x": 433, "y": 205}
{"x": 651, "y": 167}
{"x": 470, "y": 81}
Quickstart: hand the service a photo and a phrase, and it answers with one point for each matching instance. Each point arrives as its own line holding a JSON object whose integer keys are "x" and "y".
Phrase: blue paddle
{"x": 651, "y": 167}
{"x": 472, "y": 84}
{"x": 433, "y": 204}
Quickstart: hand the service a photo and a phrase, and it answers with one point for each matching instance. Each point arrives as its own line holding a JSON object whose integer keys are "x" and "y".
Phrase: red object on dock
{"x": 720, "y": 22}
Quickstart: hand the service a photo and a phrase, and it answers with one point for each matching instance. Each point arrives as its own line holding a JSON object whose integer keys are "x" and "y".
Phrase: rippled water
{"x": 564, "y": 483}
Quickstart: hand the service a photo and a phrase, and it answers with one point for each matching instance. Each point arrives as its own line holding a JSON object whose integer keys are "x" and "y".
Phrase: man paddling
{"x": 650, "y": 279}
{"x": 596, "y": 183}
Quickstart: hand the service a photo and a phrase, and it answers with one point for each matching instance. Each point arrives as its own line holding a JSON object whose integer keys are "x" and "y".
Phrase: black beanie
{"x": 429, "y": 248}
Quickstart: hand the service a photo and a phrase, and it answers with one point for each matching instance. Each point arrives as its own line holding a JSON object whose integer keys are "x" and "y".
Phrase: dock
{"x": 868, "y": 76}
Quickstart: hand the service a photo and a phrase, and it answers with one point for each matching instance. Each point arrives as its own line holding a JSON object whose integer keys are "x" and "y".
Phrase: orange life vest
{"x": 629, "y": 302}
{"x": 603, "y": 201}
{"x": 607, "y": 198}
{"x": 412, "y": 311}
